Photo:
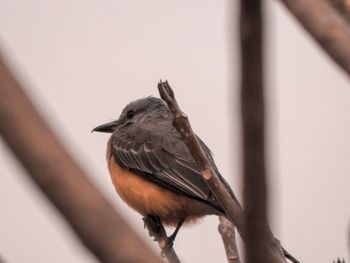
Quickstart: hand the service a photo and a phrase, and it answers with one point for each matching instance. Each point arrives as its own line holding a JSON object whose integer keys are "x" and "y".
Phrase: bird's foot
{"x": 167, "y": 245}
{"x": 154, "y": 226}
{"x": 157, "y": 231}
{"x": 170, "y": 241}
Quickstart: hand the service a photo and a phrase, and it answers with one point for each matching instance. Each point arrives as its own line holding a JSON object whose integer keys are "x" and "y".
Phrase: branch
{"x": 260, "y": 244}
{"x": 252, "y": 107}
{"x": 157, "y": 231}
{"x": 229, "y": 202}
{"x": 227, "y": 232}
{"x": 343, "y": 7}
{"x": 182, "y": 125}
{"x": 100, "y": 228}
{"x": 326, "y": 26}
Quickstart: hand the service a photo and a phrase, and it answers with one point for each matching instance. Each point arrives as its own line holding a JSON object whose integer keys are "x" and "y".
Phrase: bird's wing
{"x": 162, "y": 158}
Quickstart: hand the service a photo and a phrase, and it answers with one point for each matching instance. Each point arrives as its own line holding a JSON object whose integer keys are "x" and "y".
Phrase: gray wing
{"x": 162, "y": 158}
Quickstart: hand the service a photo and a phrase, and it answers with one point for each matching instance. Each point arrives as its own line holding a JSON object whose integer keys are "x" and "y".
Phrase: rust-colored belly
{"x": 148, "y": 198}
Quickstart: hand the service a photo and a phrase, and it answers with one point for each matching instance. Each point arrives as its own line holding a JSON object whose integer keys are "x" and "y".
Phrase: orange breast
{"x": 143, "y": 196}
{"x": 148, "y": 198}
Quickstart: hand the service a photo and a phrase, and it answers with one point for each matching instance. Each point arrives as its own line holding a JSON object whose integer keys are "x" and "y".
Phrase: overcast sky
{"x": 83, "y": 61}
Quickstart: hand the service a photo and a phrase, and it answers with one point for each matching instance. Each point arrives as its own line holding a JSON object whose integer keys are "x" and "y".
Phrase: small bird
{"x": 152, "y": 169}
{"x": 154, "y": 172}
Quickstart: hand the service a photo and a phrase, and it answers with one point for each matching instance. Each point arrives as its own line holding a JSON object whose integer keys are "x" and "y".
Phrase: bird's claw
{"x": 154, "y": 226}
{"x": 168, "y": 245}
{"x": 157, "y": 231}
{"x": 170, "y": 241}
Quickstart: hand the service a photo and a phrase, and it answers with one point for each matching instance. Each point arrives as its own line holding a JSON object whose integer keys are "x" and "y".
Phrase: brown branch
{"x": 182, "y": 125}
{"x": 252, "y": 107}
{"x": 231, "y": 207}
{"x": 343, "y": 7}
{"x": 260, "y": 244}
{"x": 101, "y": 229}
{"x": 227, "y": 232}
{"x": 180, "y": 121}
{"x": 157, "y": 231}
{"x": 326, "y": 26}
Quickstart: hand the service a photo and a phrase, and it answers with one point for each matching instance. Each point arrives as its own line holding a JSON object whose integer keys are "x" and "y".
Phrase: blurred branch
{"x": 227, "y": 232}
{"x": 157, "y": 231}
{"x": 102, "y": 230}
{"x": 343, "y": 7}
{"x": 260, "y": 244}
{"x": 326, "y": 26}
{"x": 259, "y": 238}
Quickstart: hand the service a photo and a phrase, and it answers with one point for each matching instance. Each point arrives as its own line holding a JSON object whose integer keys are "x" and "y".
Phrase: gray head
{"x": 142, "y": 110}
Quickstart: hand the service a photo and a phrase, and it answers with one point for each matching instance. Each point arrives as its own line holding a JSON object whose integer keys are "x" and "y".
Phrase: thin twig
{"x": 227, "y": 232}
{"x": 326, "y": 26}
{"x": 98, "y": 225}
{"x": 159, "y": 234}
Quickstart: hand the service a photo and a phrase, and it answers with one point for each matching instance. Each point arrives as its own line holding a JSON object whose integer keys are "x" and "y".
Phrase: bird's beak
{"x": 107, "y": 127}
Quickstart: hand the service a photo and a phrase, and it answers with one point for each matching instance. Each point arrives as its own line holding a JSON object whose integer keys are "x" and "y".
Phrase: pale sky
{"x": 83, "y": 61}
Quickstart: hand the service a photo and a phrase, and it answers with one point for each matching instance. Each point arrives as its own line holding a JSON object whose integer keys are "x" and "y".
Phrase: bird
{"x": 154, "y": 172}
{"x": 152, "y": 169}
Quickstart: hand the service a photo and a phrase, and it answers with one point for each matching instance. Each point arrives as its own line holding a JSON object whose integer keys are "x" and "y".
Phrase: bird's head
{"x": 139, "y": 111}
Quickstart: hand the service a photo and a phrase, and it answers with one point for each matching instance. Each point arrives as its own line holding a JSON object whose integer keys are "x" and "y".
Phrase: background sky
{"x": 83, "y": 61}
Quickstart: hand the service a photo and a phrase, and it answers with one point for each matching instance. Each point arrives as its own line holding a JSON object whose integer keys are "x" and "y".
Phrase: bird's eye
{"x": 130, "y": 114}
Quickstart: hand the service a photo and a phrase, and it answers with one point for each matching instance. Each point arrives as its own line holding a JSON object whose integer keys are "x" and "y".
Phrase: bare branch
{"x": 260, "y": 244}
{"x": 227, "y": 232}
{"x": 159, "y": 234}
{"x": 326, "y": 26}
{"x": 259, "y": 238}
{"x": 101, "y": 229}
{"x": 182, "y": 125}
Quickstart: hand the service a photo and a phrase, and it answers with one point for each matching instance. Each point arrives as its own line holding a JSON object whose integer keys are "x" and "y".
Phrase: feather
{"x": 161, "y": 157}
